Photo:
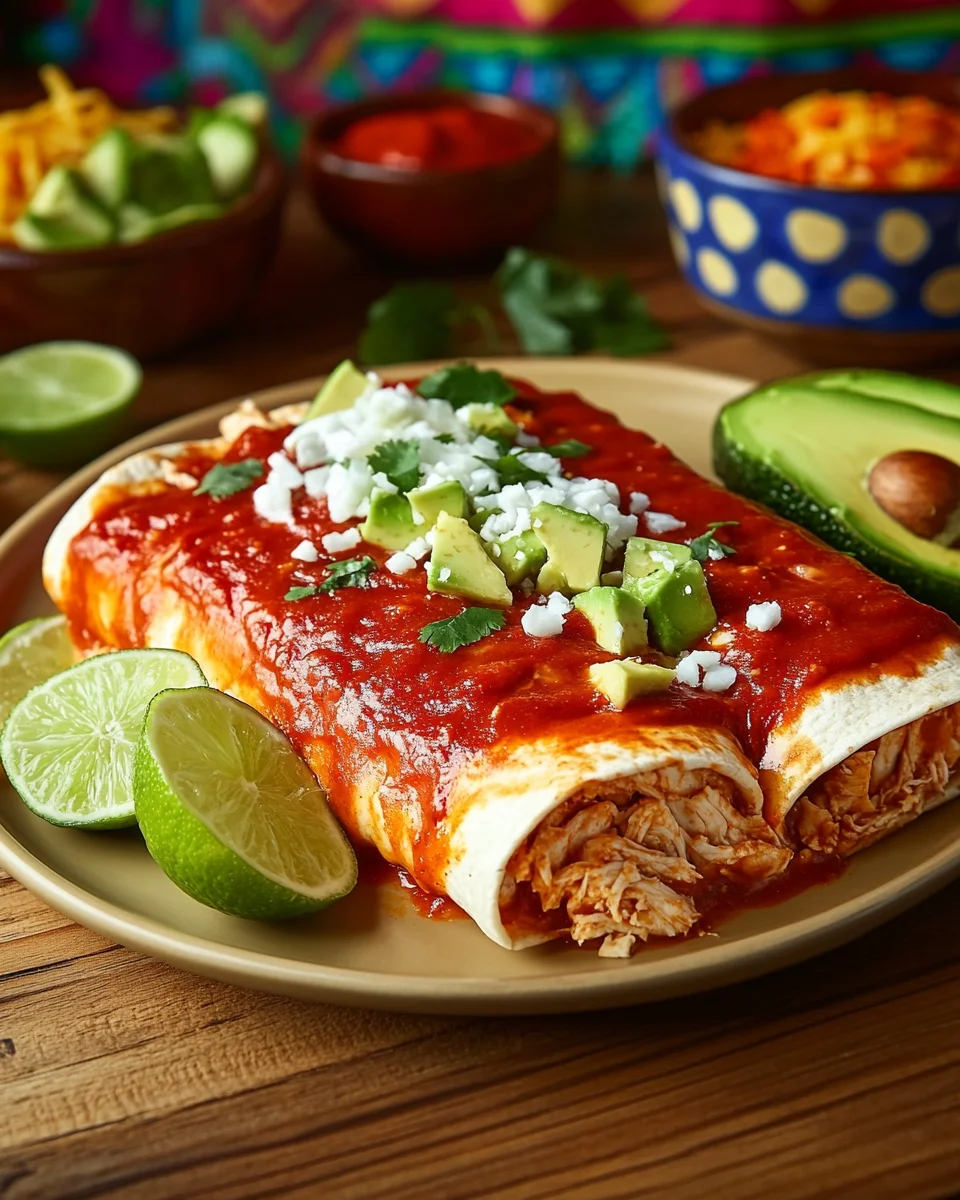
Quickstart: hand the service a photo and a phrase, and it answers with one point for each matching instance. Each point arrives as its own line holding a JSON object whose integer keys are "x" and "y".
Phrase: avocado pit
{"x": 919, "y": 490}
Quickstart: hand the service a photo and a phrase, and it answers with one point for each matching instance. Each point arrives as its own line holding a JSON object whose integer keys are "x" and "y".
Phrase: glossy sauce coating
{"x": 348, "y": 680}
{"x": 451, "y": 137}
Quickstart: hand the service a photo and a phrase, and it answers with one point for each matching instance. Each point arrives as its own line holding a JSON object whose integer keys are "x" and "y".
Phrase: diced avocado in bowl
{"x": 868, "y": 460}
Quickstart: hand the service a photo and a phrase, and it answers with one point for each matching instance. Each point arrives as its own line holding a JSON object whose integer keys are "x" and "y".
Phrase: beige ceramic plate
{"x": 373, "y": 949}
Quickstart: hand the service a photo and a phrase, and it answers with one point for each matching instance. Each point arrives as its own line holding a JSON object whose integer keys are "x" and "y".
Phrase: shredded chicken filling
{"x": 881, "y": 787}
{"x": 625, "y": 860}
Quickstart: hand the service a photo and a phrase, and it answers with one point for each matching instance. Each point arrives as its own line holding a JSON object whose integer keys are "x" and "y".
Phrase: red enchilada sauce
{"x": 345, "y": 676}
{"x": 450, "y": 137}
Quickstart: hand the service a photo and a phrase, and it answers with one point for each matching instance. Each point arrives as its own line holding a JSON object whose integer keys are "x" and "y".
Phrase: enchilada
{"x": 499, "y": 774}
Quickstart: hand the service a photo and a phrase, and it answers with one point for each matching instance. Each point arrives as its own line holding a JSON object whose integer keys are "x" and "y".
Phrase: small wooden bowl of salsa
{"x": 434, "y": 177}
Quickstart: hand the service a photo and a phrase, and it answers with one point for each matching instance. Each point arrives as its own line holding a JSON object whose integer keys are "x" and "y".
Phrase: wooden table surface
{"x": 120, "y": 1076}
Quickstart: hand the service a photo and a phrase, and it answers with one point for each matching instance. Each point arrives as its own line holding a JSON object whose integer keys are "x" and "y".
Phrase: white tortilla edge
{"x": 835, "y": 722}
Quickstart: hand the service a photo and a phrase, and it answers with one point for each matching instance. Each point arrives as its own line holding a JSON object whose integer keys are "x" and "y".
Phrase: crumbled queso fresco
{"x": 704, "y": 668}
{"x": 328, "y": 457}
{"x": 764, "y": 617}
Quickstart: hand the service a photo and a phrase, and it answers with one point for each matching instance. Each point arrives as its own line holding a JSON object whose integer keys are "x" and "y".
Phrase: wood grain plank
{"x": 727, "y": 1083}
{"x": 176, "y": 1040}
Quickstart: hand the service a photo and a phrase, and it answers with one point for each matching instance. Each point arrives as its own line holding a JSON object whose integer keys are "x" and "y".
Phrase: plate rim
{"x": 716, "y": 964}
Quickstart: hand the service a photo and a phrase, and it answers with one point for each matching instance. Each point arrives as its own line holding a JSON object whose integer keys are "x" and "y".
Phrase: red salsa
{"x": 451, "y": 137}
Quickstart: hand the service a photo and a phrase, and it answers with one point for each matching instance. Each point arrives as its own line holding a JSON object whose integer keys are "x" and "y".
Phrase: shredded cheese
{"x": 59, "y": 130}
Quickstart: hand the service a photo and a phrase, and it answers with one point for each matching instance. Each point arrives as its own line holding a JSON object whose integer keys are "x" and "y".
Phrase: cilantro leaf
{"x": 412, "y": 321}
{"x": 226, "y": 479}
{"x": 556, "y": 309}
{"x": 348, "y": 572}
{"x": 512, "y": 470}
{"x": 569, "y": 449}
{"x": 446, "y": 438}
{"x": 301, "y": 593}
{"x": 702, "y": 545}
{"x": 462, "y": 630}
{"x": 399, "y": 461}
{"x": 466, "y": 384}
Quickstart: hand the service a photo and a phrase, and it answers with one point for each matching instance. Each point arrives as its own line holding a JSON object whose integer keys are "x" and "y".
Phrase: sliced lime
{"x": 68, "y": 746}
{"x": 232, "y": 814}
{"x": 29, "y": 654}
{"x": 60, "y": 401}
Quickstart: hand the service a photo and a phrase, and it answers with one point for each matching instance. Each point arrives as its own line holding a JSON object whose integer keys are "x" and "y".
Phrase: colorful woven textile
{"x": 611, "y": 68}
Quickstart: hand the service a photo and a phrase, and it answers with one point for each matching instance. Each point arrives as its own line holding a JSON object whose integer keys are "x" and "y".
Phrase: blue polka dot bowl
{"x": 862, "y": 278}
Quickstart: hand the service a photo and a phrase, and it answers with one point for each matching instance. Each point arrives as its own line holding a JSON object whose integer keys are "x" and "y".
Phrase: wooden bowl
{"x": 433, "y": 217}
{"x": 150, "y": 297}
{"x": 839, "y": 276}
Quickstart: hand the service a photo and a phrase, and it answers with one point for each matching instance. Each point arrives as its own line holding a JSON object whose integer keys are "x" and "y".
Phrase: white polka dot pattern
{"x": 686, "y": 204}
{"x": 902, "y": 236}
{"x": 941, "y": 293}
{"x": 831, "y": 259}
{"x": 717, "y": 272}
{"x": 734, "y": 224}
{"x": 781, "y": 288}
{"x": 681, "y": 247}
{"x": 862, "y": 297}
{"x": 815, "y": 237}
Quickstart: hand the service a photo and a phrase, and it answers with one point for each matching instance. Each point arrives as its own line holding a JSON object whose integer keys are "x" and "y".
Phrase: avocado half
{"x": 805, "y": 448}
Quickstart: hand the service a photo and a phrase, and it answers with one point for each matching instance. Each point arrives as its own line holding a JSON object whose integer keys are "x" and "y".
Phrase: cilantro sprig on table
{"x": 226, "y": 479}
{"x": 556, "y": 308}
{"x": 702, "y": 545}
{"x": 472, "y": 625}
{"x": 347, "y": 572}
{"x": 553, "y": 306}
{"x": 399, "y": 461}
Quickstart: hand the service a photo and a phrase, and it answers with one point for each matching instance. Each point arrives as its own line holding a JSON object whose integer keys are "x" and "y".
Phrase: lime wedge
{"x": 232, "y": 814}
{"x": 68, "y": 746}
{"x": 60, "y": 402}
{"x": 30, "y": 654}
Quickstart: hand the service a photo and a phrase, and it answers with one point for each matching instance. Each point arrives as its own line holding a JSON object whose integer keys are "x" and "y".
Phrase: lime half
{"x": 60, "y": 402}
{"x": 232, "y": 814}
{"x": 68, "y": 746}
{"x": 29, "y": 654}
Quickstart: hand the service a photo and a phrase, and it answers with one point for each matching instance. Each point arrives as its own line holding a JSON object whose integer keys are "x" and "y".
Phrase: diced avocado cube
{"x": 574, "y": 543}
{"x": 342, "y": 389}
{"x": 678, "y": 604}
{"x": 390, "y": 522}
{"x": 491, "y": 420}
{"x": 646, "y": 555}
{"x": 429, "y": 502}
{"x": 252, "y": 107}
{"x": 519, "y": 557}
{"x": 64, "y": 215}
{"x": 623, "y": 680}
{"x": 106, "y": 167}
{"x": 617, "y": 617}
{"x": 136, "y": 224}
{"x": 231, "y": 149}
{"x": 477, "y": 520}
{"x": 460, "y": 566}
{"x": 169, "y": 172}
